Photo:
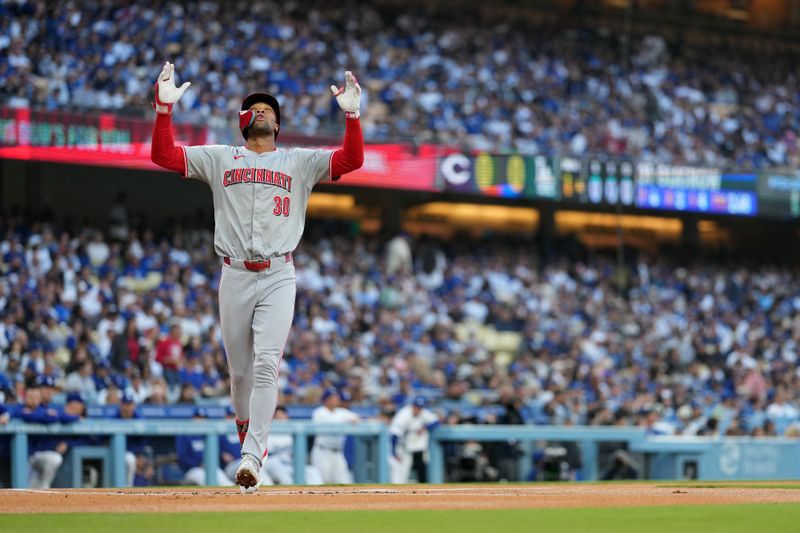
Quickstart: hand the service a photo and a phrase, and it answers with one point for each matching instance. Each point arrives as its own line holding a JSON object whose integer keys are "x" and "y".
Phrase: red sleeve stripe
{"x": 185, "y": 163}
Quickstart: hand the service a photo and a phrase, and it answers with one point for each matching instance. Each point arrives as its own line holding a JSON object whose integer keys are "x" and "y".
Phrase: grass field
{"x": 705, "y": 519}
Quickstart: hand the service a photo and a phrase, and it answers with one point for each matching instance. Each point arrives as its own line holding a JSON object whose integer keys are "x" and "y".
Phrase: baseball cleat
{"x": 247, "y": 476}
{"x": 250, "y": 490}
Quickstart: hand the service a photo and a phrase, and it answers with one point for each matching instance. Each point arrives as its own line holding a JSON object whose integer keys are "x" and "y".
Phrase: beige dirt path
{"x": 363, "y": 497}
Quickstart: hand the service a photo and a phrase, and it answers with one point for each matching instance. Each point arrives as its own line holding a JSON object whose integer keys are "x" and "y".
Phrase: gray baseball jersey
{"x": 260, "y": 200}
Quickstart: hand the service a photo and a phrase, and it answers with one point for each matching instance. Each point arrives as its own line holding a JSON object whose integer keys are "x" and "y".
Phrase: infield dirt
{"x": 364, "y": 497}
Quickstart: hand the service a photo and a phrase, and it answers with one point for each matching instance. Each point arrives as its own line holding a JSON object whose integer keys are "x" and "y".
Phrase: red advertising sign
{"x": 396, "y": 166}
{"x": 110, "y": 140}
{"x": 104, "y": 140}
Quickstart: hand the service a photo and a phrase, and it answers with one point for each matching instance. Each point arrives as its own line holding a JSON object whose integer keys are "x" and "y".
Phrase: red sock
{"x": 241, "y": 429}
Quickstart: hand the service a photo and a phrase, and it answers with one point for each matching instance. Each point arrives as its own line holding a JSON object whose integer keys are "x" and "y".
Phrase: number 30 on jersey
{"x": 281, "y": 206}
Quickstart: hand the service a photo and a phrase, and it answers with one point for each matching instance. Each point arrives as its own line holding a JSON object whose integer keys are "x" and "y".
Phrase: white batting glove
{"x": 349, "y": 96}
{"x": 166, "y": 92}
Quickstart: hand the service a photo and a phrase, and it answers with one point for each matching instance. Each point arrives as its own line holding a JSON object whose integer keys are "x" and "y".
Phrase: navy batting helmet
{"x": 263, "y": 98}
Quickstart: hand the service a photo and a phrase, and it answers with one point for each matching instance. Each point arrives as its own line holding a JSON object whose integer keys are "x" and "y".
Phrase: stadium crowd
{"x": 692, "y": 347}
{"x": 535, "y": 85}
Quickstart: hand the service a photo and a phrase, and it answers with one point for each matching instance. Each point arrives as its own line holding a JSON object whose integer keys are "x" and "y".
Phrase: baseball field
{"x": 614, "y": 507}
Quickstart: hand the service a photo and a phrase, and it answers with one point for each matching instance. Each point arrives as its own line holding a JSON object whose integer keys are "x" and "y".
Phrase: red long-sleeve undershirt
{"x": 163, "y": 151}
{"x": 348, "y": 158}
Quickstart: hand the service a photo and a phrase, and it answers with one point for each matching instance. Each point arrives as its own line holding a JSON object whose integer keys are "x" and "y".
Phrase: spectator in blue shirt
{"x": 190, "y": 450}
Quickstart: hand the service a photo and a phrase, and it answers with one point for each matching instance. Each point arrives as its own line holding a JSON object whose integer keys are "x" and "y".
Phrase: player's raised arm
{"x": 350, "y": 156}
{"x": 163, "y": 151}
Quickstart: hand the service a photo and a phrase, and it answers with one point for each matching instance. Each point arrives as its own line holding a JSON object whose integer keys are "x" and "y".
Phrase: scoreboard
{"x": 606, "y": 181}
{"x": 603, "y": 181}
{"x": 503, "y": 176}
{"x": 597, "y": 181}
{"x": 695, "y": 189}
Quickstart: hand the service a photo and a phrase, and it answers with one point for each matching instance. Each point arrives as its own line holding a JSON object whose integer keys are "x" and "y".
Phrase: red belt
{"x": 258, "y": 266}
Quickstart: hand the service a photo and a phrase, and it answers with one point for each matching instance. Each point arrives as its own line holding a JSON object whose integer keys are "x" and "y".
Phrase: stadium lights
{"x": 344, "y": 207}
{"x": 465, "y": 215}
{"x": 570, "y": 221}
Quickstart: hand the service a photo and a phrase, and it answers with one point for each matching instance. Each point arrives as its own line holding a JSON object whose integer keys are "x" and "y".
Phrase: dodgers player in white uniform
{"x": 260, "y": 195}
{"x": 280, "y": 466}
{"x": 410, "y": 429}
{"x": 327, "y": 455}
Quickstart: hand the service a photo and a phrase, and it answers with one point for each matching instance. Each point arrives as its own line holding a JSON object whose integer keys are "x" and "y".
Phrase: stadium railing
{"x": 665, "y": 457}
{"x": 371, "y": 443}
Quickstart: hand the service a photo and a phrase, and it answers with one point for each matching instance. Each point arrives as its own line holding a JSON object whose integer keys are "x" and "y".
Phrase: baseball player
{"x": 410, "y": 429}
{"x": 327, "y": 455}
{"x": 135, "y": 445}
{"x": 280, "y": 466}
{"x": 48, "y": 450}
{"x": 260, "y": 196}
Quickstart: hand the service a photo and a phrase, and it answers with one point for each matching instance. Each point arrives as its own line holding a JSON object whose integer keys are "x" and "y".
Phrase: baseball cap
{"x": 45, "y": 381}
{"x": 119, "y": 381}
{"x": 75, "y": 397}
{"x": 327, "y": 393}
{"x": 126, "y": 397}
{"x": 201, "y": 412}
{"x": 420, "y": 401}
{"x": 345, "y": 396}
